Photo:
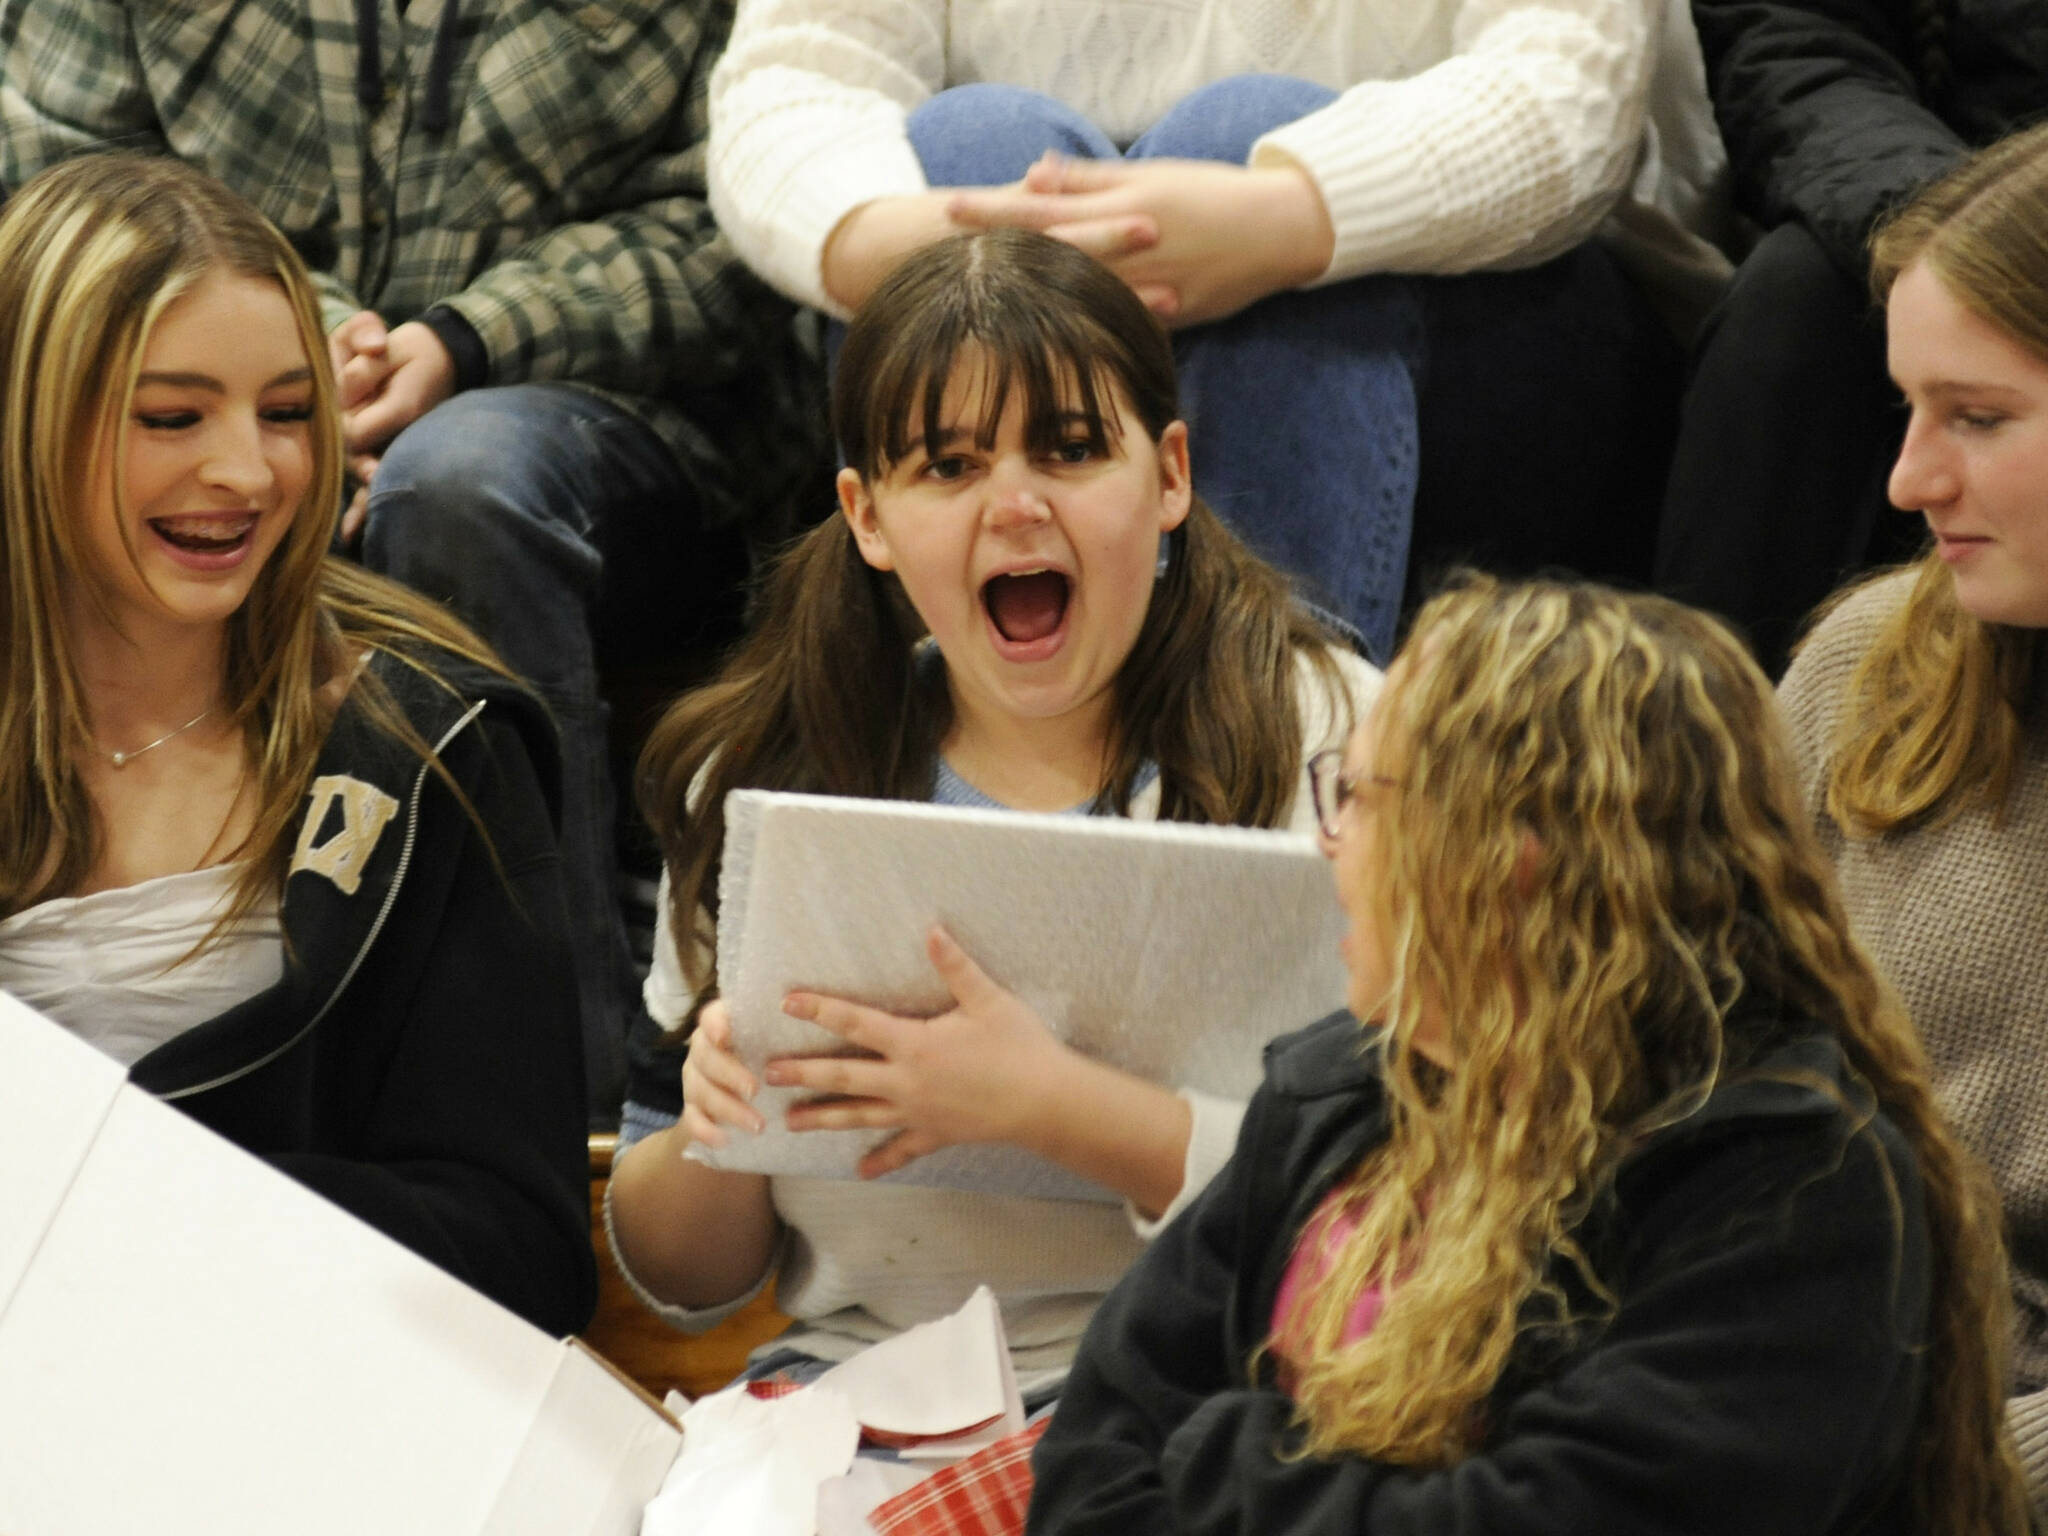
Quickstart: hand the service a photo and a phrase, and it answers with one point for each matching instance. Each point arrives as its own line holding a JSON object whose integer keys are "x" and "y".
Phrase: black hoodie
{"x": 419, "y": 1062}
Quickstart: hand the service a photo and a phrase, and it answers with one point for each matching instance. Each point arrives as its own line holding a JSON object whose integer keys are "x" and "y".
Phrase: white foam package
{"x": 192, "y": 1342}
{"x": 1173, "y": 951}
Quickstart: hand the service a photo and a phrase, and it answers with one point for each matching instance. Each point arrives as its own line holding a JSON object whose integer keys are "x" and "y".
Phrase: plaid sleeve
{"x": 639, "y": 302}
{"x": 636, "y": 291}
{"x": 70, "y": 81}
{"x": 337, "y": 303}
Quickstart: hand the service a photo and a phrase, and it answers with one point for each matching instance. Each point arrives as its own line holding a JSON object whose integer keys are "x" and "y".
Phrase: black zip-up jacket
{"x": 1829, "y": 115}
{"x": 1760, "y": 1375}
{"x": 419, "y": 1063}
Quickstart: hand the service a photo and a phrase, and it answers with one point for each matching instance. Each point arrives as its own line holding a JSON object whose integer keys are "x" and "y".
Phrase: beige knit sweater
{"x": 1957, "y": 918}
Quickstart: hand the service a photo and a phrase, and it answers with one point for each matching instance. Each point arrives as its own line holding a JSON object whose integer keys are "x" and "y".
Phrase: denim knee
{"x": 1223, "y": 119}
{"x": 984, "y": 134}
{"x": 485, "y": 496}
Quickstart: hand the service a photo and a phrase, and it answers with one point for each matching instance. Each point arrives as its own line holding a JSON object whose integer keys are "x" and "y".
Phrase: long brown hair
{"x": 92, "y": 253}
{"x": 1632, "y": 749}
{"x": 1935, "y": 716}
{"x": 825, "y": 694}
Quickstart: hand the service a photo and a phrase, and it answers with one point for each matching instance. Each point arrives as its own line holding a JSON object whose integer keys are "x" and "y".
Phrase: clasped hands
{"x": 384, "y": 381}
{"x": 1195, "y": 239}
{"x": 978, "y": 1072}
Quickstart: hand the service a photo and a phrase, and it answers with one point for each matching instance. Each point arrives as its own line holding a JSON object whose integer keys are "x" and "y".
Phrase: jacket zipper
{"x": 412, "y": 823}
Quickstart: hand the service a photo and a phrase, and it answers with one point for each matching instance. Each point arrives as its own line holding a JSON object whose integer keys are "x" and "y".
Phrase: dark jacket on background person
{"x": 1834, "y": 111}
{"x": 419, "y": 1063}
{"x": 1762, "y": 1372}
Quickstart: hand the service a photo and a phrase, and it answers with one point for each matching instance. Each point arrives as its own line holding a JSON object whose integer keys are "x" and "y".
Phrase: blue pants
{"x": 1351, "y": 432}
{"x": 523, "y": 508}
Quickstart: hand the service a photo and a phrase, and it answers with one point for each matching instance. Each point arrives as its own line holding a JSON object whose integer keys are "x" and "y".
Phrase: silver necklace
{"x": 123, "y": 759}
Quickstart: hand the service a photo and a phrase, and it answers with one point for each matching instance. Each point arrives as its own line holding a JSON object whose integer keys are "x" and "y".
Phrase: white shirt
{"x": 117, "y": 967}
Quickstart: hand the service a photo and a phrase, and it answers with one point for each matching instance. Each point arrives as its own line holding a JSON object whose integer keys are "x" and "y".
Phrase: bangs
{"x": 1061, "y": 392}
{"x": 1017, "y": 311}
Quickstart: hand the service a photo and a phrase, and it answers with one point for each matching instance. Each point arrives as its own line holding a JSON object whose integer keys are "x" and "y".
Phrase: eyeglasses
{"x": 1332, "y": 788}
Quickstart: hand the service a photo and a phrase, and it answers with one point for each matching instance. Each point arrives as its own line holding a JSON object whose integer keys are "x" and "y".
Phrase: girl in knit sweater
{"x": 1918, "y": 703}
{"x": 1023, "y": 605}
{"x": 1254, "y": 171}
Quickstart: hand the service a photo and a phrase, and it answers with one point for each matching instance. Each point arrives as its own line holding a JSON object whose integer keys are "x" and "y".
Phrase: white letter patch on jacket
{"x": 365, "y": 812}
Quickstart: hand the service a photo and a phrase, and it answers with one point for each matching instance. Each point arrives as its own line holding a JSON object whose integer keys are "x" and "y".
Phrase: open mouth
{"x": 220, "y": 535}
{"x": 1026, "y": 606}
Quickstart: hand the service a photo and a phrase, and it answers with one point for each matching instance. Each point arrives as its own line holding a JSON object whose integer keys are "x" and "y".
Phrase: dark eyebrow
{"x": 208, "y": 382}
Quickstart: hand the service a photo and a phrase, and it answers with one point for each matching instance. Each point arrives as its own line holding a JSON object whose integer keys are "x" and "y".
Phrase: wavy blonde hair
{"x": 1934, "y": 721}
{"x": 1595, "y": 851}
{"x": 92, "y": 254}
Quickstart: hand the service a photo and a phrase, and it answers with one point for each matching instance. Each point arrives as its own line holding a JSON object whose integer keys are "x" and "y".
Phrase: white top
{"x": 117, "y": 968}
{"x": 862, "y": 1261}
{"x": 1469, "y": 133}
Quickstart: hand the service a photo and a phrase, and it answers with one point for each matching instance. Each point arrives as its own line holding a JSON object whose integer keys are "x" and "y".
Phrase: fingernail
{"x": 779, "y": 1076}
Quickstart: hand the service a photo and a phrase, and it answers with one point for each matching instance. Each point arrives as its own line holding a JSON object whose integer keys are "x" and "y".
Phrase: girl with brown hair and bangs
{"x": 1629, "y": 1208}
{"x": 1022, "y": 605}
{"x": 274, "y": 832}
{"x": 1917, "y": 702}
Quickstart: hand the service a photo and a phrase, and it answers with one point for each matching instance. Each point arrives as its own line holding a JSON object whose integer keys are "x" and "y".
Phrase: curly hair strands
{"x": 1594, "y": 850}
{"x": 1936, "y": 710}
{"x": 825, "y": 695}
{"x": 92, "y": 254}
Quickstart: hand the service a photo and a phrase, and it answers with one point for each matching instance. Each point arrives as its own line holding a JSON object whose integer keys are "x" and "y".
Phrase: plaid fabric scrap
{"x": 985, "y": 1494}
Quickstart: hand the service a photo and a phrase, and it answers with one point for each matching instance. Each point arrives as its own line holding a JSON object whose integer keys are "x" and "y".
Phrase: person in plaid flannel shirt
{"x": 560, "y": 387}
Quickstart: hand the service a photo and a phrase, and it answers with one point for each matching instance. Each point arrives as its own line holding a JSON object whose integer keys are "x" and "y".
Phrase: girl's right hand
{"x": 718, "y": 1091}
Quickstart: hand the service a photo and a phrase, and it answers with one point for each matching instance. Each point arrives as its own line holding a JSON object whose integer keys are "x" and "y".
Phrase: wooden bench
{"x": 642, "y": 1345}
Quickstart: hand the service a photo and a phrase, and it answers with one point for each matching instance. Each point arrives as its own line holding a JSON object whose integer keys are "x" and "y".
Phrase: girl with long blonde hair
{"x": 1628, "y": 1209}
{"x": 1917, "y": 707}
{"x": 274, "y": 832}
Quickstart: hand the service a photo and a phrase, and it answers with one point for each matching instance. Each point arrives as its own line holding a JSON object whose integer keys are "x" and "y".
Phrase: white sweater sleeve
{"x": 1212, "y": 1137}
{"x": 807, "y": 123}
{"x": 1505, "y": 154}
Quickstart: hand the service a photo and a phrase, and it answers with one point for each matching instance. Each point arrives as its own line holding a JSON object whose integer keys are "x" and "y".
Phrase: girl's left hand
{"x": 976, "y": 1073}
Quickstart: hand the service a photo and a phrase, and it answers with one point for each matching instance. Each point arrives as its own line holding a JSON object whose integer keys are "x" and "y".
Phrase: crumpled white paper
{"x": 938, "y": 1378}
{"x": 784, "y": 1466}
{"x": 753, "y": 1464}
{"x": 844, "y": 1503}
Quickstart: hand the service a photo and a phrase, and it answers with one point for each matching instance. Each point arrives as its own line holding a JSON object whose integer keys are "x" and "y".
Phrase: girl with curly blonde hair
{"x": 1629, "y": 1209}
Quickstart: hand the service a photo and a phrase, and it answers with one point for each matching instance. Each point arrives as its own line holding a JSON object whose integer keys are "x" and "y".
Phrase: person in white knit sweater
{"x": 1243, "y": 166}
{"x": 1919, "y": 705}
{"x": 1024, "y": 606}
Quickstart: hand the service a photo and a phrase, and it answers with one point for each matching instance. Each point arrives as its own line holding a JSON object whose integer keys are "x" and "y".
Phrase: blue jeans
{"x": 506, "y": 504}
{"x": 1301, "y": 408}
{"x": 1369, "y": 433}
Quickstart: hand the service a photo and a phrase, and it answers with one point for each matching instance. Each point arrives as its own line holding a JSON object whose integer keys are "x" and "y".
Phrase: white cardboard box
{"x": 191, "y": 1342}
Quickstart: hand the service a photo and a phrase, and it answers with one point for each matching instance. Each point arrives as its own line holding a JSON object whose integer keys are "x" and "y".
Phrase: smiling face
{"x": 1975, "y": 458}
{"x": 213, "y": 459}
{"x": 1032, "y": 566}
